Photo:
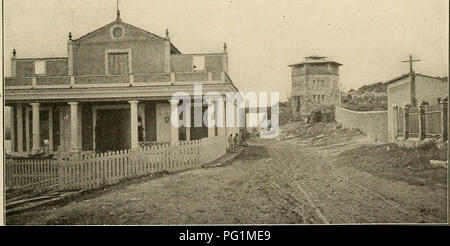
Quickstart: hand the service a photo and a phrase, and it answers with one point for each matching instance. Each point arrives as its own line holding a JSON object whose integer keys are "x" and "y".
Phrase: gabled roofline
{"x": 407, "y": 74}
{"x": 91, "y": 32}
{"x": 396, "y": 79}
{"x": 433, "y": 77}
{"x": 119, "y": 22}
{"x": 175, "y": 49}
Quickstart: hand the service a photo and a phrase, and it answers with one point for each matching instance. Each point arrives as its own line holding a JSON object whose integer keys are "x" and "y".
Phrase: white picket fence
{"x": 112, "y": 167}
{"x": 31, "y": 173}
{"x": 96, "y": 170}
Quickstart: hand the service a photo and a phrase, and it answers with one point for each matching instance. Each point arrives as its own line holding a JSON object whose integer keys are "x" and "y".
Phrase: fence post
{"x": 421, "y": 121}
{"x": 406, "y": 119}
{"x": 395, "y": 120}
{"x": 60, "y": 171}
{"x": 74, "y": 169}
{"x": 444, "y": 120}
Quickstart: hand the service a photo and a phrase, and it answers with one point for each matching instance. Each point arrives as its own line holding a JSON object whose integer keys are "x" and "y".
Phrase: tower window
{"x": 298, "y": 103}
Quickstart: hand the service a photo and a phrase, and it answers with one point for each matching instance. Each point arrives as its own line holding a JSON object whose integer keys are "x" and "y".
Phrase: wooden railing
{"x": 112, "y": 80}
{"x": 144, "y": 144}
{"x": 96, "y": 170}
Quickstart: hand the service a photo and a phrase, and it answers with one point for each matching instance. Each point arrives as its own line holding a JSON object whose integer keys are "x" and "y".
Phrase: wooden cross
{"x": 411, "y": 63}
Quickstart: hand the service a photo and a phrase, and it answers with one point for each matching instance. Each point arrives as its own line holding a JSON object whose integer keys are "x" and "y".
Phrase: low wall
{"x": 372, "y": 123}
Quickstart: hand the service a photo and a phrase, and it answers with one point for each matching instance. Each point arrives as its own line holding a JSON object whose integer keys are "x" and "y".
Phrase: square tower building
{"x": 315, "y": 83}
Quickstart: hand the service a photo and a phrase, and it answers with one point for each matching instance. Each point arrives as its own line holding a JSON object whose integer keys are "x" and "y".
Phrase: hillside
{"x": 371, "y": 97}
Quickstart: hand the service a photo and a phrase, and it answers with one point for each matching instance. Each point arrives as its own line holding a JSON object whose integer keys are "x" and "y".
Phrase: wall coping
{"x": 362, "y": 112}
{"x": 200, "y": 54}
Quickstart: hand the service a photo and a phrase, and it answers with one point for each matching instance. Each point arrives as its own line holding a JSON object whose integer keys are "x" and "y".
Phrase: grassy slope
{"x": 385, "y": 160}
{"x": 393, "y": 162}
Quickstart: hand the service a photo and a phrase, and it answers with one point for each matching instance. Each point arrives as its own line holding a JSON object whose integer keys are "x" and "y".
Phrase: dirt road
{"x": 272, "y": 182}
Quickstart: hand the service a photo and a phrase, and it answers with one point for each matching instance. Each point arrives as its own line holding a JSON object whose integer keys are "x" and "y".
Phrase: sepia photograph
{"x": 225, "y": 112}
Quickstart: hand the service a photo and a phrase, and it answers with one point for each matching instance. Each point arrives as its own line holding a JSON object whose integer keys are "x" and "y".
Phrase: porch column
{"x": 188, "y": 121}
{"x": 221, "y": 123}
{"x": 19, "y": 128}
{"x": 211, "y": 119}
{"x": 174, "y": 121}
{"x": 50, "y": 130}
{"x": 74, "y": 147}
{"x": 36, "y": 129}
{"x": 27, "y": 129}
{"x": 188, "y": 133}
{"x": 225, "y": 127}
{"x": 134, "y": 124}
{"x": 12, "y": 131}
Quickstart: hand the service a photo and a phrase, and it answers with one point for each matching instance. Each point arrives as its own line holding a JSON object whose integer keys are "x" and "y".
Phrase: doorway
{"x": 112, "y": 129}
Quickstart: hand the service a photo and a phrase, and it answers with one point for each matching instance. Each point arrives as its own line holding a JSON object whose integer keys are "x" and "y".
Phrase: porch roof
{"x": 154, "y": 92}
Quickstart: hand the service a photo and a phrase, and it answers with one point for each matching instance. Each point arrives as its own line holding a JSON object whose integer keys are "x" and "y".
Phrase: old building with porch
{"x": 112, "y": 92}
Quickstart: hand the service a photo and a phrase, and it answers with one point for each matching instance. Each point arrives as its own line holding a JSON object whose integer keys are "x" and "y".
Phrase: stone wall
{"x": 56, "y": 67}
{"x": 372, "y": 123}
{"x": 53, "y": 67}
{"x": 146, "y": 56}
{"x": 184, "y": 62}
{"x": 24, "y": 68}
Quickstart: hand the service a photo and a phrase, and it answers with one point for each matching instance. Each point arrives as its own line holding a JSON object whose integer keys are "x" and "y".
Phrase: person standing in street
{"x": 230, "y": 143}
{"x": 236, "y": 142}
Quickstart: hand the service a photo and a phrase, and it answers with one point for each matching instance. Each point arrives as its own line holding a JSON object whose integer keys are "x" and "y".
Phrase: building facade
{"x": 315, "y": 83}
{"x": 113, "y": 91}
{"x": 412, "y": 89}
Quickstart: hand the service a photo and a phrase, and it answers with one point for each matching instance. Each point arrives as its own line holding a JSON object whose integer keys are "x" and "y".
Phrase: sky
{"x": 370, "y": 38}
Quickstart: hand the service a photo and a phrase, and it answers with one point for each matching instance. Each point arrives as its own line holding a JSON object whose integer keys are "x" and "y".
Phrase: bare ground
{"x": 297, "y": 178}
